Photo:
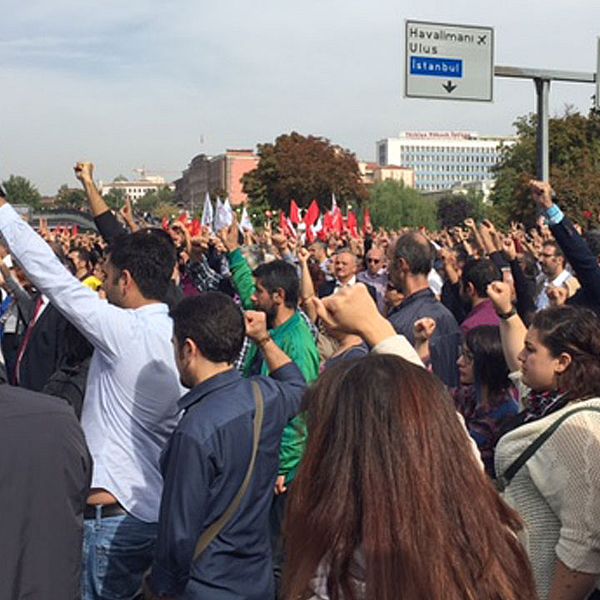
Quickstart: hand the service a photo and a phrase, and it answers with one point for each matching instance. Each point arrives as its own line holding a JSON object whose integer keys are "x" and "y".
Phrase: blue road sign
{"x": 436, "y": 67}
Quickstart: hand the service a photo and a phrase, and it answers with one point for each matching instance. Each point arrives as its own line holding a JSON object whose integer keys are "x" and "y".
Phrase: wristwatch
{"x": 507, "y": 315}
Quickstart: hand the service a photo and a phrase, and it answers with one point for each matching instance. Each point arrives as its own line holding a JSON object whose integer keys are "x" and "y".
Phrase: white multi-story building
{"x": 442, "y": 159}
{"x": 134, "y": 190}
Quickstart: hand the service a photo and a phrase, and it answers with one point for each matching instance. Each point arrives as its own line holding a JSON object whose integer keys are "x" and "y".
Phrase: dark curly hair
{"x": 575, "y": 331}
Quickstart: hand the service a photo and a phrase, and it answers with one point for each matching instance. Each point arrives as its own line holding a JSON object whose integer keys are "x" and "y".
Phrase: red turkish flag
{"x": 294, "y": 213}
{"x": 312, "y": 214}
{"x": 286, "y": 225}
{"x": 366, "y": 220}
{"x": 195, "y": 228}
{"x": 352, "y": 224}
{"x": 338, "y": 220}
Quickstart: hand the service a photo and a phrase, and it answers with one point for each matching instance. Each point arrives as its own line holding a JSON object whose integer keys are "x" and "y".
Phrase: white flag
{"x": 333, "y": 203}
{"x": 245, "y": 222}
{"x": 223, "y": 215}
{"x": 228, "y": 212}
{"x": 208, "y": 214}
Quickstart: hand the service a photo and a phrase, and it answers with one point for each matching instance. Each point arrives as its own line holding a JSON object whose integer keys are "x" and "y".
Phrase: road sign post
{"x": 598, "y": 76}
{"x": 449, "y": 62}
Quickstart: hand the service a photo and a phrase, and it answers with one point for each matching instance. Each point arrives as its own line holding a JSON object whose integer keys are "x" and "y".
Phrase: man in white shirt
{"x": 553, "y": 265}
{"x": 130, "y": 405}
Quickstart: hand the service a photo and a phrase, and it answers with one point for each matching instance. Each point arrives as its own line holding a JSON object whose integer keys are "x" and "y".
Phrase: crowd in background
{"x": 362, "y": 415}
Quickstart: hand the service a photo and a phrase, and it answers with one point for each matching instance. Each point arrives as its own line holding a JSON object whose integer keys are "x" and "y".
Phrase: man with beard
{"x": 554, "y": 272}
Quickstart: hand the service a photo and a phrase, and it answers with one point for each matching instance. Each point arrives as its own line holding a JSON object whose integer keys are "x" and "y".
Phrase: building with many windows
{"x": 134, "y": 190}
{"x": 216, "y": 175}
{"x": 442, "y": 159}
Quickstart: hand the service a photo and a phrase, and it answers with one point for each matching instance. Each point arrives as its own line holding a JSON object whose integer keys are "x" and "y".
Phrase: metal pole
{"x": 598, "y": 75}
{"x": 542, "y": 88}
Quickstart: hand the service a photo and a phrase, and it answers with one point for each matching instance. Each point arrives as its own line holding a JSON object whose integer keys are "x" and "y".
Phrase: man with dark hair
{"x": 555, "y": 273}
{"x": 475, "y": 278}
{"x": 410, "y": 263}
{"x": 318, "y": 250}
{"x": 80, "y": 258}
{"x": 130, "y": 406}
{"x": 208, "y": 456}
{"x": 273, "y": 289}
{"x": 270, "y": 278}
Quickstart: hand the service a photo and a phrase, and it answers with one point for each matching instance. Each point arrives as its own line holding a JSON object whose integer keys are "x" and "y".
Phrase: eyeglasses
{"x": 373, "y": 260}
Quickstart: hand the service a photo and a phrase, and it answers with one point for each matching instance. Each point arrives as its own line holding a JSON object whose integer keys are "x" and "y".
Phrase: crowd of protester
{"x": 244, "y": 414}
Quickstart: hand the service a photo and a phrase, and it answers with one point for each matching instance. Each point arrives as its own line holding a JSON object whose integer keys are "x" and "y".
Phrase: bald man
{"x": 376, "y": 274}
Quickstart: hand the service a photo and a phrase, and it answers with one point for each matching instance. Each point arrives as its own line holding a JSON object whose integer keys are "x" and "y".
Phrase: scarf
{"x": 540, "y": 404}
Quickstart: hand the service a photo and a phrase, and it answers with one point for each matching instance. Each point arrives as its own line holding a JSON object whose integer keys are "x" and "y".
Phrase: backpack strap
{"x": 504, "y": 480}
{"x": 213, "y": 531}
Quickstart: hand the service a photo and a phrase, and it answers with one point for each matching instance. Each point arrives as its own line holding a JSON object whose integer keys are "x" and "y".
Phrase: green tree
{"x": 152, "y": 200}
{"x": 303, "y": 169}
{"x": 393, "y": 205}
{"x": 21, "y": 191}
{"x": 115, "y": 198}
{"x": 574, "y": 166}
{"x": 166, "y": 210}
{"x": 67, "y": 197}
{"x": 453, "y": 209}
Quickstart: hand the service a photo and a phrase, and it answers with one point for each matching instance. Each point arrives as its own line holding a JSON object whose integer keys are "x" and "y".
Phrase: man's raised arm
{"x": 97, "y": 320}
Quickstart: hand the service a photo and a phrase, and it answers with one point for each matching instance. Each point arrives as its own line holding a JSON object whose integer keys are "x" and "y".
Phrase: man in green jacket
{"x": 274, "y": 289}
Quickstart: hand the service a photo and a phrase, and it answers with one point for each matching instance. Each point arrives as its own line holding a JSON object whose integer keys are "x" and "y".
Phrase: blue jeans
{"x": 117, "y": 551}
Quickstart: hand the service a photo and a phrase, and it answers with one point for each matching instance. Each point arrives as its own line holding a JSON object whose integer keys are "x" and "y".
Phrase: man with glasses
{"x": 376, "y": 275}
{"x": 555, "y": 274}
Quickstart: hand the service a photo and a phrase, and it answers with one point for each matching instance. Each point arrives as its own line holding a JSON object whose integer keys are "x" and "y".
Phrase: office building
{"x": 442, "y": 159}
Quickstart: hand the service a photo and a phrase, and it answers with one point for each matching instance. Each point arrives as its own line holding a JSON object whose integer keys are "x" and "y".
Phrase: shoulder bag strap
{"x": 503, "y": 480}
{"x": 213, "y": 531}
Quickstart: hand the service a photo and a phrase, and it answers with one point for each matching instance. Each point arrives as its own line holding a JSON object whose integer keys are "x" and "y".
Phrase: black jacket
{"x": 327, "y": 288}
{"x": 45, "y": 351}
{"x": 45, "y": 470}
{"x": 583, "y": 262}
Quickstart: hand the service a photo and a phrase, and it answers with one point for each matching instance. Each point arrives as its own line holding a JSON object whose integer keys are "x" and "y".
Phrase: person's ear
{"x": 563, "y": 362}
{"x": 402, "y": 264}
{"x": 279, "y": 296}
{"x": 125, "y": 281}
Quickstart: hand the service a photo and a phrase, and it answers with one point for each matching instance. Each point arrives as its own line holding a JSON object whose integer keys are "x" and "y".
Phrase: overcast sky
{"x": 153, "y": 83}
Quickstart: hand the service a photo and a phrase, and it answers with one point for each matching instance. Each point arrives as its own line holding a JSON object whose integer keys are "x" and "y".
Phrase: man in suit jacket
{"x": 345, "y": 267}
{"x": 42, "y": 346}
{"x": 45, "y": 469}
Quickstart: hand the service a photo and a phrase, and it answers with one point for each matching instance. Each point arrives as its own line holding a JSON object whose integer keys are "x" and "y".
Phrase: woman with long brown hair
{"x": 390, "y": 503}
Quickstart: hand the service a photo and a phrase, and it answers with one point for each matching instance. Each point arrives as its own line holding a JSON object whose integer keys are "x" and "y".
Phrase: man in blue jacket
{"x": 208, "y": 455}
